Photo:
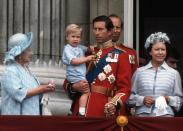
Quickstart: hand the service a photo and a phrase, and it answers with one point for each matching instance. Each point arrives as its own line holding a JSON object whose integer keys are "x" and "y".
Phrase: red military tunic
{"x": 116, "y": 75}
{"x": 132, "y": 55}
{"x": 112, "y": 84}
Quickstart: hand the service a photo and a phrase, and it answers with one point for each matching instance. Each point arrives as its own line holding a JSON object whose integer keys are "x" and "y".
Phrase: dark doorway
{"x": 161, "y": 15}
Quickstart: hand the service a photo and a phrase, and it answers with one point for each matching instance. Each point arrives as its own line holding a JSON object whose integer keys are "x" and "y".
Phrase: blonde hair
{"x": 73, "y": 28}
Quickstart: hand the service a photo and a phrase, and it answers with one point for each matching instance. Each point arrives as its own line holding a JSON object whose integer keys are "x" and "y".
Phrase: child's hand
{"x": 91, "y": 57}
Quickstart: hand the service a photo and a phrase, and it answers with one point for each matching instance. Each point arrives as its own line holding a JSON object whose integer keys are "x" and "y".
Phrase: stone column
{"x": 77, "y": 11}
{"x": 128, "y": 22}
{"x": 105, "y": 7}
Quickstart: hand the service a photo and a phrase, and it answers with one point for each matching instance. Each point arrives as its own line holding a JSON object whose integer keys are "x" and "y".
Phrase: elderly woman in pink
{"x": 20, "y": 88}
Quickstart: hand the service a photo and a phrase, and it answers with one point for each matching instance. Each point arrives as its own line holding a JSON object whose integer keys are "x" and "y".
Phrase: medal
{"x": 111, "y": 79}
{"x": 101, "y": 76}
{"x": 107, "y": 69}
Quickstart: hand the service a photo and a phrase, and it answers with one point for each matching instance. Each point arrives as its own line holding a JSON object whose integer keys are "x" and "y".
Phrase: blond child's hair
{"x": 73, "y": 28}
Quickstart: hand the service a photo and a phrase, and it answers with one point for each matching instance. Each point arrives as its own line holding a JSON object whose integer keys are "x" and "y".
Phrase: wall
{"x": 47, "y": 19}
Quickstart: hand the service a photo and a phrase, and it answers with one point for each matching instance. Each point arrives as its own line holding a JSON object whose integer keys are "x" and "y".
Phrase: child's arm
{"x": 81, "y": 60}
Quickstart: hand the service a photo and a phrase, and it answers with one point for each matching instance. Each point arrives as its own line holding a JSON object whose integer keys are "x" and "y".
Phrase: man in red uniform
{"x": 118, "y": 27}
{"x": 109, "y": 79}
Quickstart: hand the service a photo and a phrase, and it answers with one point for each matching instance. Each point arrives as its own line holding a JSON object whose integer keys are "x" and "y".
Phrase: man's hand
{"x": 109, "y": 109}
{"x": 148, "y": 101}
{"x": 81, "y": 86}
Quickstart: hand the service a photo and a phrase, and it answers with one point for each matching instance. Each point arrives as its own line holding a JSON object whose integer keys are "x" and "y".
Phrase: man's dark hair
{"x": 107, "y": 20}
{"x": 116, "y": 16}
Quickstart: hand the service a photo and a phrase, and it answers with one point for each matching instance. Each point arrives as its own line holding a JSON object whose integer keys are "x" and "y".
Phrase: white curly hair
{"x": 156, "y": 37}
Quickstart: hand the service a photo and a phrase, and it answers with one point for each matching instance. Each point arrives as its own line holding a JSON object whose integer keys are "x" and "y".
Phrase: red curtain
{"x": 59, "y": 123}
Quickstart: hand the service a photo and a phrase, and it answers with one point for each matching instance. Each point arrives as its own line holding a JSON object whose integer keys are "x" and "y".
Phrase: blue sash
{"x": 93, "y": 73}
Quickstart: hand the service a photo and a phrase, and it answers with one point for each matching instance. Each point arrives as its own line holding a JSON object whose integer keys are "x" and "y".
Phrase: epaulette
{"x": 119, "y": 48}
{"x": 122, "y": 45}
{"x": 125, "y": 46}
